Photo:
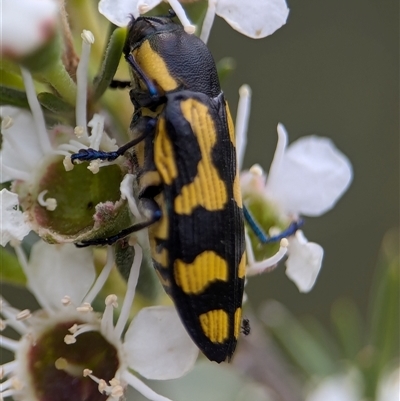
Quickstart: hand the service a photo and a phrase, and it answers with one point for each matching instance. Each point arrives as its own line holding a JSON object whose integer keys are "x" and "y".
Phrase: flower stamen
{"x": 71, "y": 369}
{"x": 208, "y": 21}
{"x": 81, "y": 82}
{"x": 24, "y": 314}
{"x": 50, "y": 203}
{"x": 242, "y": 122}
{"x": 130, "y": 291}
{"x": 268, "y": 264}
{"x": 37, "y": 112}
{"x": 85, "y": 308}
{"x": 180, "y": 13}
{"x": 102, "y": 278}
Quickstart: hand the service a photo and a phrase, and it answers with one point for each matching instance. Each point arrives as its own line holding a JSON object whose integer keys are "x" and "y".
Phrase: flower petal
{"x": 313, "y": 175}
{"x": 120, "y": 12}
{"x": 255, "y": 18}
{"x": 334, "y": 388}
{"x": 55, "y": 271}
{"x": 13, "y": 224}
{"x": 157, "y": 334}
{"x": 304, "y": 261}
{"x": 26, "y": 25}
{"x": 21, "y": 148}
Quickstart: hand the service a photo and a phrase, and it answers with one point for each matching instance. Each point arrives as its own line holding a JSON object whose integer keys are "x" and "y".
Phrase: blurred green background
{"x": 332, "y": 71}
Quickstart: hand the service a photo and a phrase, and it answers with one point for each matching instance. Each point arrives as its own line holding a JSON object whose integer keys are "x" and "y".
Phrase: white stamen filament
{"x": 126, "y": 189}
{"x": 50, "y": 203}
{"x": 115, "y": 390}
{"x": 130, "y": 291}
{"x": 102, "y": 278}
{"x": 7, "y": 368}
{"x": 81, "y": 84}
{"x": 10, "y": 315}
{"x": 273, "y": 174}
{"x": 9, "y": 344}
{"x": 136, "y": 383}
{"x": 84, "y": 328}
{"x": 180, "y": 13}
{"x": 208, "y": 21}
{"x": 269, "y": 263}
{"x": 107, "y": 323}
{"x": 37, "y": 112}
{"x": 70, "y": 147}
{"x": 242, "y": 123}
{"x": 97, "y": 125}
{"x": 249, "y": 250}
{"x": 7, "y": 384}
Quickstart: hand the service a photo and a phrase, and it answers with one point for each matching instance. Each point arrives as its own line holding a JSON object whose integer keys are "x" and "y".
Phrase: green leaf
{"x": 300, "y": 345}
{"x": 11, "y": 79}
{"x": 55, "y": 104}
{"x": 110, "y": 62}
{"x": 10, "y": 270}
{"x": 13, "y": 97}
{"x": 384, "y": 330}
{"x": 347, "y": 321}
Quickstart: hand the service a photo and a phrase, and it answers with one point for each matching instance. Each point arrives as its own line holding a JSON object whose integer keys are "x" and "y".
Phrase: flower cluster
{"x": 66, "y": 346}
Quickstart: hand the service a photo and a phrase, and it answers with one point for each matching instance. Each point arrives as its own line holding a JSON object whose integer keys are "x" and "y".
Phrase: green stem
{"x": 57, "y": 76}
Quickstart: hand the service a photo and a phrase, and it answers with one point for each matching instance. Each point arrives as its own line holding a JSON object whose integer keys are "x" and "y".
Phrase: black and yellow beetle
{"x": 184, "y": 157}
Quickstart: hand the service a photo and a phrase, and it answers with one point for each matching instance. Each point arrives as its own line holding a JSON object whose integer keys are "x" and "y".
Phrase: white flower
{"x": 12, "y": 221}
{"x": 30, "y": 153}
{"x": 119, "y": 11}
{"x": 338, "y": 388}
{"x": 84, "y": 351}
{"x": 349, "y": 387}
{"x": 254, "y": 18}
{"x": 26, "y": 25}
{"x": 306, "y": 178}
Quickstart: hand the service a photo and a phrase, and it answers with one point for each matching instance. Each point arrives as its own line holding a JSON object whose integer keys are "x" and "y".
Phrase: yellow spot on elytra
{"x": 149, "y": 179}
{"x": 215, "y": 325}
{"x": 237, "y": 193}
{"x": 206, "y": 268}
{"x": 164, "y": 157}
{"x": 238, "y": 322}
{"x": 231, "y": 127}
{"x": 207, "y": 188}
{"x": 153, "y": 65}
{"x": 242, "y": 266}
{"x": 160, "y": 229}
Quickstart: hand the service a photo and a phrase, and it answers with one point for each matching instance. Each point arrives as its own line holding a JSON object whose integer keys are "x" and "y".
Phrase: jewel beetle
{"x": 186, "y": 180}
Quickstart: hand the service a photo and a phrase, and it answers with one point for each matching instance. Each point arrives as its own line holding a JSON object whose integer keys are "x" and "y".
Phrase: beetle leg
{"x": 93, "y": 154}
{"x": 117, "y": 84}
{"x": 151, "y": 208}
{"x": 262, "y": 236}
